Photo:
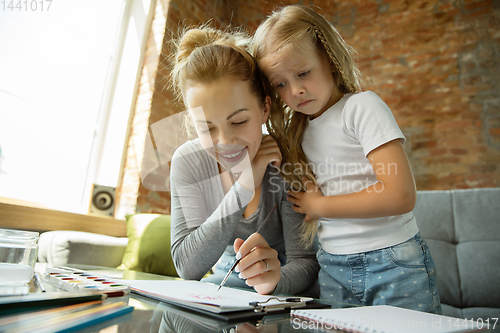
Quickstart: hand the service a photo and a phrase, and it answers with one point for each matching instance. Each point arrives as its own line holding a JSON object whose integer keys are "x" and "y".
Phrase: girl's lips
{"x": 304, "y": 103}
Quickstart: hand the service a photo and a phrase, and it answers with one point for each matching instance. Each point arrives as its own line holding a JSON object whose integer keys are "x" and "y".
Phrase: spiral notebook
{"x": 384, "y": 318}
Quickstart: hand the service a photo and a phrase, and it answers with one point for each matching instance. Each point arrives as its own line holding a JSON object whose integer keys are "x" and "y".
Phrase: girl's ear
{"x": 266, "y": 109}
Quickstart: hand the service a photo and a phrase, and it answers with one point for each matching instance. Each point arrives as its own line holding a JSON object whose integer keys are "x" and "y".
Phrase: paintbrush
{"x": 238, "y": 260}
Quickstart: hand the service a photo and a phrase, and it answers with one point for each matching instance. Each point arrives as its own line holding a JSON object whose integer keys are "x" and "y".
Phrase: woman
{"x": 225, "y": 182}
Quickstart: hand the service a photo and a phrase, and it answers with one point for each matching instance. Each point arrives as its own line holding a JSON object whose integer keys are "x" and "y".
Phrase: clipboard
{"x": 227, "y": 304}
{"x": 234, "y": 317}
{"x": 257, "y": 315}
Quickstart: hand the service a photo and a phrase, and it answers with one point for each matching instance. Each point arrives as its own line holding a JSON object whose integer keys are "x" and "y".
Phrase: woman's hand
{"x": 259, "y": 264}
{"x": 268, "y": 152}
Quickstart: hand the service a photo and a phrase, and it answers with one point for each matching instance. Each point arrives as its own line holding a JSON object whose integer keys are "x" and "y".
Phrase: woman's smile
{"x": 233, "y": 156}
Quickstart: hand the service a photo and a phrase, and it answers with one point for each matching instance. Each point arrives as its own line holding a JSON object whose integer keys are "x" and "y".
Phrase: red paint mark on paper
{"x": 205, "y": 297}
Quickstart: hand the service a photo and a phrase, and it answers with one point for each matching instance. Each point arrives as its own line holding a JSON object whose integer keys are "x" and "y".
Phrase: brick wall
{"x": 133, "y": 197}
{"x": 155, "y": 102}
{"x": 435, "y": 63}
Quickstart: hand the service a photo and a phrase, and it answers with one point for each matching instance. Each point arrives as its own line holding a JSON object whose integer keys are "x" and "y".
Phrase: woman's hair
{"x": 204, "y": 55}
{"x": 292, "y": 30}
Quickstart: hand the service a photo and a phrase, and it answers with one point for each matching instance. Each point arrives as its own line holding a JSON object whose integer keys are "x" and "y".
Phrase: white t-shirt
{"x": 336, "y": 145}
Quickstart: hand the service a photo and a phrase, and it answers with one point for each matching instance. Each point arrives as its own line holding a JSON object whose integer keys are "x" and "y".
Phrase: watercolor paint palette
{"x": 71, "y": 279}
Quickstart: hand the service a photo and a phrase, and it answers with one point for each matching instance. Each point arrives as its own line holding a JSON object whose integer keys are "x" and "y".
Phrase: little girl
{"x": 349, "y": 144}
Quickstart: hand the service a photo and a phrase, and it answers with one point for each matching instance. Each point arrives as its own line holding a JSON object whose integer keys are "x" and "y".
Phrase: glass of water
{"x": 18, "y": 255}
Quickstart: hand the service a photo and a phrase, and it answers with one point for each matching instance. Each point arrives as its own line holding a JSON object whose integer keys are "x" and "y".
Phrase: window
{"x": 66, "y": 90}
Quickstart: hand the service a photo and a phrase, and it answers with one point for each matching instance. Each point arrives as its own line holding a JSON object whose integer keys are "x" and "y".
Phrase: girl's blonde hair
{"x": 292, "y": 30}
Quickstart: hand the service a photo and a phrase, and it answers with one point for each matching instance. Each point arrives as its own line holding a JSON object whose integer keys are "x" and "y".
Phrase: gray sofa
{"x": 461, "y": 228}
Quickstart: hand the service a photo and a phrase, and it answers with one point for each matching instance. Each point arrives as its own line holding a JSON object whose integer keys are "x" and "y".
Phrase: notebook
{"x": 383, "y": 318}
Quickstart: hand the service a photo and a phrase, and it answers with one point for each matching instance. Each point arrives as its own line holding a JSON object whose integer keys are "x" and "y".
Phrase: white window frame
{"x": 136, "y": 15}
{"x": 140, "y": 11}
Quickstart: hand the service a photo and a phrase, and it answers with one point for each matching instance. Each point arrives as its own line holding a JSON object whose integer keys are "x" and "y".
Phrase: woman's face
{"x": 228, "y": 119}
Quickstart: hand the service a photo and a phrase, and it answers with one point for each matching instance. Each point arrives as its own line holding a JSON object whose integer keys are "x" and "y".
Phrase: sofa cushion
{"x": 148, "y": 248}
{"x": 62, "y": 247}
{"x": 479, "y": 273}
{"x": 462, "y": 229}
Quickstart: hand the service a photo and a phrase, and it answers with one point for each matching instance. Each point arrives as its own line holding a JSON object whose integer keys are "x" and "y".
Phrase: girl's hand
{"x": 259, "y": 264}
{"x": 268, "y": 152}
{"x": 306, "y": 202}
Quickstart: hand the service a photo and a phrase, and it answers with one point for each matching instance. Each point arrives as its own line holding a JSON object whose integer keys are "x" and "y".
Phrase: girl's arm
{"x": 393, "y": 194}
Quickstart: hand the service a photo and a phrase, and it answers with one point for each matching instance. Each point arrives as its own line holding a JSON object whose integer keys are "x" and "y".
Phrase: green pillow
{"x": 148, "y": 248}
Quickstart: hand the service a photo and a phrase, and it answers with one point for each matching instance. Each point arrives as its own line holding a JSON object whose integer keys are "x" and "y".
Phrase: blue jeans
{"x": 402, "y": 275}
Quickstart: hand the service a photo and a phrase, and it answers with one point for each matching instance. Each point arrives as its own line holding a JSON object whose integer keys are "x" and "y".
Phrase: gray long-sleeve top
{"x": 205, "y": 221}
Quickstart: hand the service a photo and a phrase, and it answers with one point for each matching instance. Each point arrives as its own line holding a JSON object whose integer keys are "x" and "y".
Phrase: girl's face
{"x": 304, "y": 81}
{"x": 228, "y": 119}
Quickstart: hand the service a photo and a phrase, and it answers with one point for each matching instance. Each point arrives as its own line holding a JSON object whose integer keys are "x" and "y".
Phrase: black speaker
{"x": 102, "y": 200}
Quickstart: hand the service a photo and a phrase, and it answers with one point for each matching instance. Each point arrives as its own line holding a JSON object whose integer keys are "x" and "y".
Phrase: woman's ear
{"x": 266, "y": 109}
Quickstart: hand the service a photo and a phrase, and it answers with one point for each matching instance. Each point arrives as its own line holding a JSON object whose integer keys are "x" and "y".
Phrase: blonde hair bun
{"x": 195, "y": 38}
